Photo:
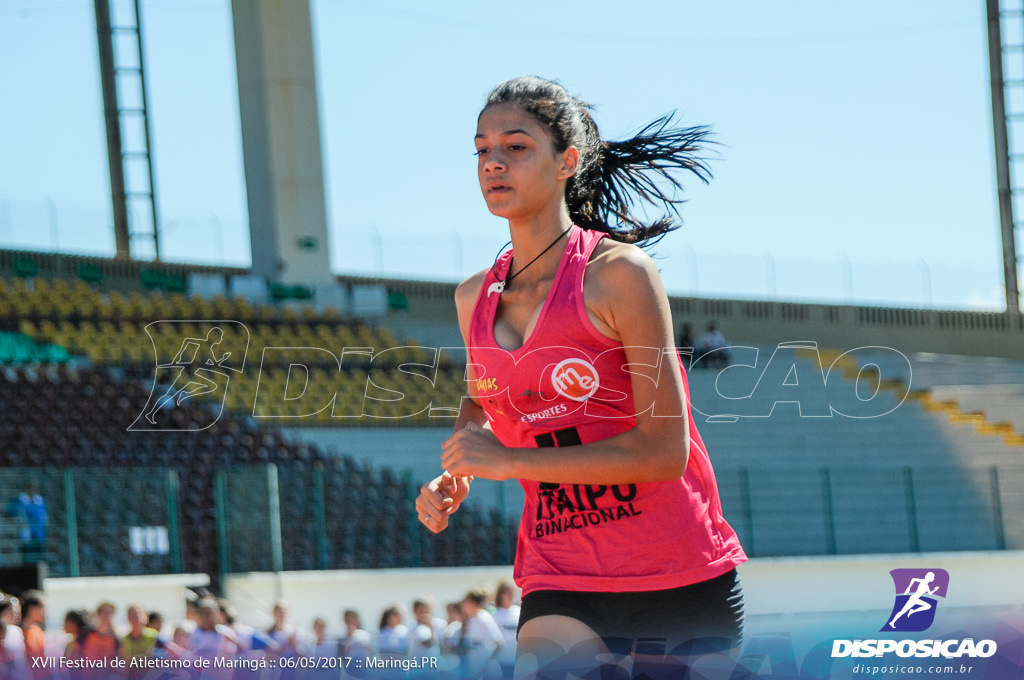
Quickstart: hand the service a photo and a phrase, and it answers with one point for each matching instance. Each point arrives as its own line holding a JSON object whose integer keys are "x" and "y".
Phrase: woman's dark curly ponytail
{"x": 612, "y": 178}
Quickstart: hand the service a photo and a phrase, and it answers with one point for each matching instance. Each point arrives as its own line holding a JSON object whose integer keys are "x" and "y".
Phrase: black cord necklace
{"x": 500, "y": 285}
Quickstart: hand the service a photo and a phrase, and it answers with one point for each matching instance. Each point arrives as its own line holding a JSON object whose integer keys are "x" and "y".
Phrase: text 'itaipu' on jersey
{"x": 568, "y": 385}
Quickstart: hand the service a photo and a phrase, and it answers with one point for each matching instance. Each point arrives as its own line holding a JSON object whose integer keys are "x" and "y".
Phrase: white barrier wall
{"x": 164, "y": 593}
{"x": 773, "y": 588}
{"x": 369, "y": 591}
{"x": 861, "y": 583}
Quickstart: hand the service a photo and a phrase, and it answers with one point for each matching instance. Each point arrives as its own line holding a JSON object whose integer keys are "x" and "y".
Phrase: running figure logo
{"x": 201, "y": 365}
{"x": 914, "y": 609}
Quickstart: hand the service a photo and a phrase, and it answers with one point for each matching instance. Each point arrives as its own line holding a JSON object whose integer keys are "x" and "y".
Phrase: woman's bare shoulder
{"x": 615, "y": 263}
{"x": 467, "y": 292}
{"x": 623, "y": 291}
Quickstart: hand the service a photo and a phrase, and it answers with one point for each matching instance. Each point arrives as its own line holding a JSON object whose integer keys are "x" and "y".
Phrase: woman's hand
{"x": 475, "y": 451}
{"x": 439, "y": 498}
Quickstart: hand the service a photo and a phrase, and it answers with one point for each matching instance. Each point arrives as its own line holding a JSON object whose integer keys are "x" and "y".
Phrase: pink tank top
{"x": 567, "y": 386}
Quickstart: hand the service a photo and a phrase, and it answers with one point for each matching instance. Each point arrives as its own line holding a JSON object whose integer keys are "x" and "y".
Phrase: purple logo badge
{"x": 914, "y": 609}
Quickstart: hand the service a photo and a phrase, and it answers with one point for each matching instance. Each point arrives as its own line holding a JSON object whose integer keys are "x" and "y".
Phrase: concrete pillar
{"x": 281, "y": 140}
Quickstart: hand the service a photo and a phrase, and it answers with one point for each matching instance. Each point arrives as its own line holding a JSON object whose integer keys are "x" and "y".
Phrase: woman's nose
{"x": 494, "y": 162}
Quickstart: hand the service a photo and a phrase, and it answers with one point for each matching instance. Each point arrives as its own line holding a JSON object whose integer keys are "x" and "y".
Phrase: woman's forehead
{"x": 501, "y": 118}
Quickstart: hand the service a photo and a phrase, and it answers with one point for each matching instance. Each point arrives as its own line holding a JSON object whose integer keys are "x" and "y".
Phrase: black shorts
{"x": 711, "y": 610}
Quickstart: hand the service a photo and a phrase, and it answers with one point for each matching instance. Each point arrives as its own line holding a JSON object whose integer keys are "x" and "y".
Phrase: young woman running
{"x": 570, "y": 343}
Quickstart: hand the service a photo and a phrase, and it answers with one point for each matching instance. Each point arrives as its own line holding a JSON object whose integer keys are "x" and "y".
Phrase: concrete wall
{"x": 369, "y": 591}
{"x": 163, "y": 593}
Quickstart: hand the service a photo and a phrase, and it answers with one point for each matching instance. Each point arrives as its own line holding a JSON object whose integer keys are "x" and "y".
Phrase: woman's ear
{"x": 570, "y": 161}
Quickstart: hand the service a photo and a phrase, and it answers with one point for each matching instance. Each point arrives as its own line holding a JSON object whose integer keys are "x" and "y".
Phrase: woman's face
{"x": 519, "y": 170}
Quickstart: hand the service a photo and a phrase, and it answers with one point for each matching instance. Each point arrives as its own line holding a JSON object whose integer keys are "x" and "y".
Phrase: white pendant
{"x": 496, "y": 287}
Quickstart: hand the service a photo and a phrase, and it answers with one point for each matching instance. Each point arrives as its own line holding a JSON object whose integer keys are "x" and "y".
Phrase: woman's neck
{"x": 529, "y": 239}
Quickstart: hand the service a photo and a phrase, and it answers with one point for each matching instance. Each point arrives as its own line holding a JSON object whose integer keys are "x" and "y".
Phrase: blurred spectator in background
{"x": 393, "y": 640}
{"x": 251, "y": 640}
{"x": 14, "y": 637}
{"x": 165, "y": 647}
{"x": 102, "y": 643}
{"x": 182, "y": 638}
{"x": 284, "y": 633}
{"x": 33, "y": 617}
{"x": 77, "y": 625}
{"x": 326, "y": 649}
{"x": 12, "y": 646}
{"x": 156, "y": 622}
{"x": 323, "y": 647}
{"x": 427, "y": 630}
{"x": 357, "y": 643}
{"x": 712, "y": 348}
{"x": 210, "y": 639}
{"x": 30, "y": 508}
{"x": 481, "y": 637}
{"x": 287, "y": 638}
{"x": 140, "y": 641}
{"x": 6, "y": 668}
{"x": 506, "y": 615}
{"x": 453, "y": 631}
{"x": 686, "y": 339}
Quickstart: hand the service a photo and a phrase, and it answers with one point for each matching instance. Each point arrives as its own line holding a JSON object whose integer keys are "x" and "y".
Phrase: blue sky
{"x": 856, "y": 158}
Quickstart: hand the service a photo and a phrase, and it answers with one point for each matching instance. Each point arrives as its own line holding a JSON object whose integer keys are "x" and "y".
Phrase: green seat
{"x": 54, "y": 354}
{"x": 90, "y": 273}
{"x": 152, "y": 278}
{"x": 281, "y": 291}
{"x": 397, "y": 300}
{"x": 25, "y": 267}
{"x": 175, "y": 283}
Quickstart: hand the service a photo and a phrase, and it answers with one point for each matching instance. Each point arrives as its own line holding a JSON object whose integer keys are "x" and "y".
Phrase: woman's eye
{"x": 516, "y": 147}
{"x": 480, "y": 152}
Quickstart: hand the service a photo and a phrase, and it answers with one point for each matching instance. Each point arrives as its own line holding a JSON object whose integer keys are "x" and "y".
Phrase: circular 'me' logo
{"x": 575, "y": 379}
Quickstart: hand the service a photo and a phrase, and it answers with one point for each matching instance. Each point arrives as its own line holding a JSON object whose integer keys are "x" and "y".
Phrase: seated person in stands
{"x": 712, "y": 347}
{"x": 687, "y": 345}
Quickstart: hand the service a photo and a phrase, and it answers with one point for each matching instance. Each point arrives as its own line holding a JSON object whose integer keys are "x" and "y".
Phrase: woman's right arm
{"x": 443, "y": 495}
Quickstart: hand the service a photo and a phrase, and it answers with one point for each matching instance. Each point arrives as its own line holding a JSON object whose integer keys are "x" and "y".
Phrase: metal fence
{"x": 91, "y": 521}
{"x": 99, "y": 521}
{"x": 271, "y": 518}
{"x": 833, "y": 510}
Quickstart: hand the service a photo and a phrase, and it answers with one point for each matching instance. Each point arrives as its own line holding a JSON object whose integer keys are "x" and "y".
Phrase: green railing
{"x": 91, "y": 521}
{"x": 273, "y": 519}
{"x": 850, "y": 510}
{"x": 102, "y": 522}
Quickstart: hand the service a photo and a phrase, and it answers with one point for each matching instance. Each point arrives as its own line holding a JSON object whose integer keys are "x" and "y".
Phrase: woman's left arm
{"x": 626, "y": 300}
